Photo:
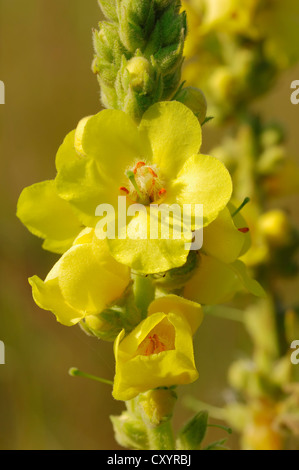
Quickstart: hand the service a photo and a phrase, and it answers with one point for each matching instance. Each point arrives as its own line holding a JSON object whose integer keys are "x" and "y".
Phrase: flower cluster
{"x": 92, "y": 283}
{"x": 144, "y": 293}
{"x": 235, "y": 48}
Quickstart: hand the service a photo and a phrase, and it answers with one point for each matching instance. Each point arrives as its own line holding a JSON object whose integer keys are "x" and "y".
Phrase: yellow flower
{"x": 84, "y": 281}
{"x": 220, "y": 273}
{"x": 159, "y": 351}
{"x": 261, "y": 432}
{"x": 153, "y": 164}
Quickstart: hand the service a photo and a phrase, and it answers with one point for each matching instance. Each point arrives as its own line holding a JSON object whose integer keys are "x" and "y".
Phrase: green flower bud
{"x": 108, "y": 7}
{"x": 240, "y": 373}
{"x": 108, "y": 324}
{"x": 130, "y": 432}
{"x": 140, "y": 72}
{"x": 272, "y": 135}
{"x": 157, "y": 405}
{"x": 139, "y": 53}
{"x": 271, "y": 160}
{"x": 195, "y": 100}
{"x": 193, "y": 433}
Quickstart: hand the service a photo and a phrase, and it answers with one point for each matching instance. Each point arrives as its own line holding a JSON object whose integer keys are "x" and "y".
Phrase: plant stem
{"x": 144, "y": 293}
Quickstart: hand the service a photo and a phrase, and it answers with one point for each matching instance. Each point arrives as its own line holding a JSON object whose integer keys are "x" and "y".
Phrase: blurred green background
{"x": 45, "y": 63}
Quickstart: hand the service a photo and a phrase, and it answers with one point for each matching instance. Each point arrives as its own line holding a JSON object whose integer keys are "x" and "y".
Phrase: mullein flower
{"x": 151, "y": 164}
{"x": 225, "y": 242}
{"x": 159, "y": 351}
{"x": 85, "y": 281}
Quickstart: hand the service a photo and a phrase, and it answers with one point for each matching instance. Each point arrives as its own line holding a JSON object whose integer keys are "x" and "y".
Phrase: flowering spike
{"x": 139, "y": 53}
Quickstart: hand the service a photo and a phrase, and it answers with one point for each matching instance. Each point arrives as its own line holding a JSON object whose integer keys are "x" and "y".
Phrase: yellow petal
{"x": 191, "y": 311}
{"x": 47, "y": 295}
{"x": 204, "y": 180}
{"x": 213, "y": 282}
{"x": 112, "y": 139}
{"x": 174, "y": 133}
{"x": 222, "y": 240}
{"x": 90, "y": 279}
{"x": 48, "y": 216}
{"x": 147, "y": 255}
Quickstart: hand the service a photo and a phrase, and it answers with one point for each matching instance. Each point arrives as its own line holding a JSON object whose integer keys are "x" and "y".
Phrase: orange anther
{"x": 138, "y": 165}
{"x": 125, "y": 190}
{"x": 155, "y": 346}
{"x": 152, "y": 172}
{"x": 162, "y": 192}
{"x": 244, "y": 230}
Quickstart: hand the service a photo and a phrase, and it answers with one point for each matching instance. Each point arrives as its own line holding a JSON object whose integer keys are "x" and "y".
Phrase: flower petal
{"x": 147, "y": 255}
{"x": 250, "y": 284}
{"x": 48, "y": 216}
{"x": 78, "y": 181}
{"x": 90, "y": 279}
{"x": 112, "y": 139}
{"x": 191, "y": 311}
{"x": 204, "y": 180}
{"x": 47, "y": 295}
{"x": 213, "y": 282}
{"x": 222, "y": 240}
{"x": 174, "y": 133}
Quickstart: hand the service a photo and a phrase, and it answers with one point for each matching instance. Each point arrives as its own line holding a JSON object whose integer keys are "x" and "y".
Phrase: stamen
{"x": 155, "y": 346}
{"x": 244, "y": 230}
{"x": 124, "y": 190}
{"x": 139, "y": 165}
{"x": 162, "y": 192}
{"x": 152, "y": 172}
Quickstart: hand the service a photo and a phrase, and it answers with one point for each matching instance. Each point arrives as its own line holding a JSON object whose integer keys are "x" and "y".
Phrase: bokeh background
{"x": 45, "y": 63}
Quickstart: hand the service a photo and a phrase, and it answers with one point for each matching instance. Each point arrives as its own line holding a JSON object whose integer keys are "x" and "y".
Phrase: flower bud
{"x": 157, "y": 405}
{"x": 130, "y": 432}
{"x": 271, "y": 160}
{"x": 195, "y": 100}
{"x": 193, "y": 433}
{"x": 276, "y": 228}
{"x": 139, "y": 69}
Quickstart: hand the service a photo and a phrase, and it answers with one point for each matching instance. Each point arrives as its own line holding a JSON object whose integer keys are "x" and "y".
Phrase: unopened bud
{"x": 139, "y": 69}
{"x": 157, "y": 405}
{"x": 276, "y": 228}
